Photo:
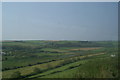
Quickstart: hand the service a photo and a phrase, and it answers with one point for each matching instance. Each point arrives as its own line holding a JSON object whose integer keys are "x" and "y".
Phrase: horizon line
{"x": 51, "y": 40}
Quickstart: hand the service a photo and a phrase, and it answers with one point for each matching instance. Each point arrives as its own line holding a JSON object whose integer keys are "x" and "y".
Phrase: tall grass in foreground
{"x": 99, "y": 68}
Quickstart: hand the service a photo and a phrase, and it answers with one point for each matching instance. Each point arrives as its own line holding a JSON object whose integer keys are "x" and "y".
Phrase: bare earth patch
{"x": 84, "y": 49}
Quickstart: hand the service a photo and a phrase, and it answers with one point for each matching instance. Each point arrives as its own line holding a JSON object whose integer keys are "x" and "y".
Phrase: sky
{"x": 60, "y": 0}
{"x": 92, "y": 21}
{"x": 0, "y": 22}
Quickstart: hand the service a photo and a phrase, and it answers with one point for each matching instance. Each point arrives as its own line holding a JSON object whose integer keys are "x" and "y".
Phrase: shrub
{"x": 16, "y": 74}
{"x": 37, "y": 70}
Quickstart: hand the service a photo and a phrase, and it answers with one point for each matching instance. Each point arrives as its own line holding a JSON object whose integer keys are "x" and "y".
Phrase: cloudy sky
{"x": 60, "y": 20}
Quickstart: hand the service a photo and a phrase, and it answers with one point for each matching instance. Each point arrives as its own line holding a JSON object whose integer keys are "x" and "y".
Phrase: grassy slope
{"x": 29, "y": 69}
{"x": 96, "y": 68}
{"x": 69, "y": 65}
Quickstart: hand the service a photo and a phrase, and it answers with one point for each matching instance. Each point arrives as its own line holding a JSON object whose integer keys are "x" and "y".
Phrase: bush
{"x": 16, "y": 74}
{"x": 37, "y": 70}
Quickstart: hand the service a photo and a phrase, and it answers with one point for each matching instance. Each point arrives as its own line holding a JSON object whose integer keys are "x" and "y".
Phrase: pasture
{"x": 59, "y": 59}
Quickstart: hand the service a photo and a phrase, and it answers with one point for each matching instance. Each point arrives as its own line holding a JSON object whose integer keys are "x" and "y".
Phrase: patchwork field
{"x": 59, "y": 59}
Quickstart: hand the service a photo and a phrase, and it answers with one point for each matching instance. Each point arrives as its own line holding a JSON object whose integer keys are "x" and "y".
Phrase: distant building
{"x": 112, "y": 55}
{"x": 2, "y": 53}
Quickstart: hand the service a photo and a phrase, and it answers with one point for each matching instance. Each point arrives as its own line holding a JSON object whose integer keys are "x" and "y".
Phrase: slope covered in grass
{"x": 96, "y": 68}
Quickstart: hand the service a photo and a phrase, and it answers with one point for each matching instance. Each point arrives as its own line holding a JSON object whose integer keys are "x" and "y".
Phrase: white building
{"x": 113, "y": 55}
{"x": 2, "y": 53}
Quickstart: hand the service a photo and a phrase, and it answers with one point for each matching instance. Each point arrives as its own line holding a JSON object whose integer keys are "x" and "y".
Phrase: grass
{"x": 67, "y": 66}
{"x": 29, "y": 69}
{"x": 96, "y": 68}
{"x": 60, "y": 69}
{"x": 26, "y": 56}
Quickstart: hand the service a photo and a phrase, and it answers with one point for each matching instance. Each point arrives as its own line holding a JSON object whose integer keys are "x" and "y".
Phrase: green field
{"x": 59, "y": 59}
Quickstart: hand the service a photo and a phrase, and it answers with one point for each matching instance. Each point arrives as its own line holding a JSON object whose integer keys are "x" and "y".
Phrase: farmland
{"x": 59, "y": 59}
